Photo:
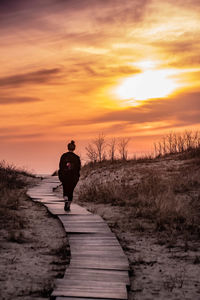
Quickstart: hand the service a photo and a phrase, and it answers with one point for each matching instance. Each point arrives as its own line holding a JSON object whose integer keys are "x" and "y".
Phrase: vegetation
{"x": 148, "y": 189}
{"x": 12, "y": 184}
{"x": 173, "y": 143}
{"x": 168, "y": 202}
{"x": 100, "y": 149}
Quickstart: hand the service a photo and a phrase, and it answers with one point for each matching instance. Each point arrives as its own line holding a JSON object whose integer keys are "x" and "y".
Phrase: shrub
{"x": 168, "y": 202}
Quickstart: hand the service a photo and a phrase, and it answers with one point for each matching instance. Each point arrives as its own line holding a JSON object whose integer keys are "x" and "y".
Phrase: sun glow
{"x": 147, "y": 85}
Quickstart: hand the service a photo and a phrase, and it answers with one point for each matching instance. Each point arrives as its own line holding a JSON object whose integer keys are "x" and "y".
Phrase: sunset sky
{"x": 71, "y": 69}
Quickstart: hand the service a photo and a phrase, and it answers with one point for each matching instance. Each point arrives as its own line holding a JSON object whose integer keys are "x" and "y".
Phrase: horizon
{"x": 74, "y": 69}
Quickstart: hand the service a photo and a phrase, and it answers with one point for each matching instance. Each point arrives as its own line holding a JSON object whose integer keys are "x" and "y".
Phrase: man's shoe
{"x": 67, "y": 206}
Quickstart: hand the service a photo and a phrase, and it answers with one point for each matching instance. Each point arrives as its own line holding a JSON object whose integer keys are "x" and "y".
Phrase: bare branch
{"x": 112, "y": 149}
{"x": 123, "y": 145}
{"x": 100, "y": 144}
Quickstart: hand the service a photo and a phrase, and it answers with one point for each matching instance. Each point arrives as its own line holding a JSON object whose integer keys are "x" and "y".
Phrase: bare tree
{"x": 164, "y": 147}
{"x": 197, "y": 138}
{"x": 177, "y": 142}
{"x": 188, "y": 139}
{"x": 122, "y": 147}
{"x": 91, "y": 153}
{"x": 100, "y": 144}
{"x": 180, "y": 143}
{"x": 169, "y": 141}
{"x": 155, "y": 149}
{"x": 112, "y": 149}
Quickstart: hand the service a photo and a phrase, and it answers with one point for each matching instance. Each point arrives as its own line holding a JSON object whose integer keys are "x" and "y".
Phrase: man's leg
{"x": 65, "y": 197}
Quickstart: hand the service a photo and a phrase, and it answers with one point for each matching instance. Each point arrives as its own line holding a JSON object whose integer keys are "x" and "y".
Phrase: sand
{"x": 32, "y": 257}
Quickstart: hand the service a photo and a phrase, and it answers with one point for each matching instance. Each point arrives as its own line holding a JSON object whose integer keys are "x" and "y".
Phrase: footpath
{"x": 98, "y": 267}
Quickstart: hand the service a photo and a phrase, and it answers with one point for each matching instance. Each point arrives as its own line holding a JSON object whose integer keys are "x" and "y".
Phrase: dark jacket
{"x": 69, "y": 167}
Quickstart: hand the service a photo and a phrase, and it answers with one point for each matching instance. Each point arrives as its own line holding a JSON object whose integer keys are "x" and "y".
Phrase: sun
{"x": 147, "y": 85}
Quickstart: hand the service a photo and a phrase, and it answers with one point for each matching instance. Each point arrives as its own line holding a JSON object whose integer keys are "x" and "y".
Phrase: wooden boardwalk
{"x": 98, "y": 267}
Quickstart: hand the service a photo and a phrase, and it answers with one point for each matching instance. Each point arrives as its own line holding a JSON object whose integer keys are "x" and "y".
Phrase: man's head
{"x": 71, "y": 146}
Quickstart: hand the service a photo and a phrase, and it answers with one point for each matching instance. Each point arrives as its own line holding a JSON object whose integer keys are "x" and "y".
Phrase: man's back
{"x": 69, "y": 165}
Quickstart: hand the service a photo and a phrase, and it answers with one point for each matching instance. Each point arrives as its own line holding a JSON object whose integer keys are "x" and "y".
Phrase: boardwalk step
{"x": 91, "y": 291}
{"x": 75, "y": 298}
{"x": 97, "y": 275}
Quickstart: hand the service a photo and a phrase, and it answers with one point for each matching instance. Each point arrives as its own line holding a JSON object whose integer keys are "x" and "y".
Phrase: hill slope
{"x": 154, "y": 209}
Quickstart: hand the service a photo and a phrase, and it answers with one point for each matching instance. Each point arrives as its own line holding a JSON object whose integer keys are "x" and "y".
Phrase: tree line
{"x": 177, "y": 143}
{"x": 99, "y": 149}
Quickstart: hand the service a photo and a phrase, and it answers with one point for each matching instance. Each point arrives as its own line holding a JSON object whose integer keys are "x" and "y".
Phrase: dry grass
{"x": 169, "y": 199}
{"x": 12, "y": 190}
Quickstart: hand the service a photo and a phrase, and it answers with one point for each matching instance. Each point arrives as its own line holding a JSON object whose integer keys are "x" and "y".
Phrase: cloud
{"x": 181, "y": 110}
{"x": 20, "y": 136}
{"x": 17, "y": 100}
{"x": 186, "y": 3}
{"x": 100, "y": 70}
{"x": 37, "y": 14}
{"x": 179, "y": 46}
{"x": 177, "y": 108}
{"x": 38, "y": 77}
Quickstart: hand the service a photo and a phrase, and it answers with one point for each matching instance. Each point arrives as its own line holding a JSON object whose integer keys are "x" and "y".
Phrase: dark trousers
{"x": 68, "y": 188}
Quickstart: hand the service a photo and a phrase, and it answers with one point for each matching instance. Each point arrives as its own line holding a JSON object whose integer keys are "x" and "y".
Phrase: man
{"x": 69, "y": 173}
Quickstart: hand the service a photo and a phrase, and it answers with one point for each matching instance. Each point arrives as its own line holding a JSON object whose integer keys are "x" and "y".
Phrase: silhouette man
{"x": 69, "y": 173}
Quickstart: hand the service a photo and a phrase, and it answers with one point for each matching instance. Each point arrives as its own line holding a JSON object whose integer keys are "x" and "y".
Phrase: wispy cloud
{"x": 156, "y": 110}
{"x": 11, "y": 137}
{"x": 181, "y": 110}
{"x": 43, "y": 76}
{"x": 17, "y": 100}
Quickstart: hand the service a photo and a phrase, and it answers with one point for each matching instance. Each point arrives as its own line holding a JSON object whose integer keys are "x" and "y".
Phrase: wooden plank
{"x": 88, "y": 283}
{"x": 102, "y": 259}
{"x": 85, "y": 230}
{"x": 85, "y": 236}
{"x": 51, "y": 197}
{"x": 93, "y": 228}
{"x": 80, "y": 218}
{"x": 100, "y": 254}
{"x": 97, "y": 242}
{"x": 99, "y": 275}
{"x": 82, "y": 291}
{"x": 84, "y": 223}
{"x": 97, "y": 254}
{"x": 53, "y": 201}
{"x": 89, "y": 226}
{"x": 96, "y": 278}
{"x": 98, "y": 260}
{"x": 80, "y": 242}
{"x": 101, "y": 242}
{"x": 97, "y": 251}
{"x": 104, "y": 264}
{"x": 58, "y": 209}
{"x": 75, "y": 298}
{"x": 95, "y": 247}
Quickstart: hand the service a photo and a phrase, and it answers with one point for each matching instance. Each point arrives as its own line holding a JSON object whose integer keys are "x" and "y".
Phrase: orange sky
{"x": 74, "y": 69}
